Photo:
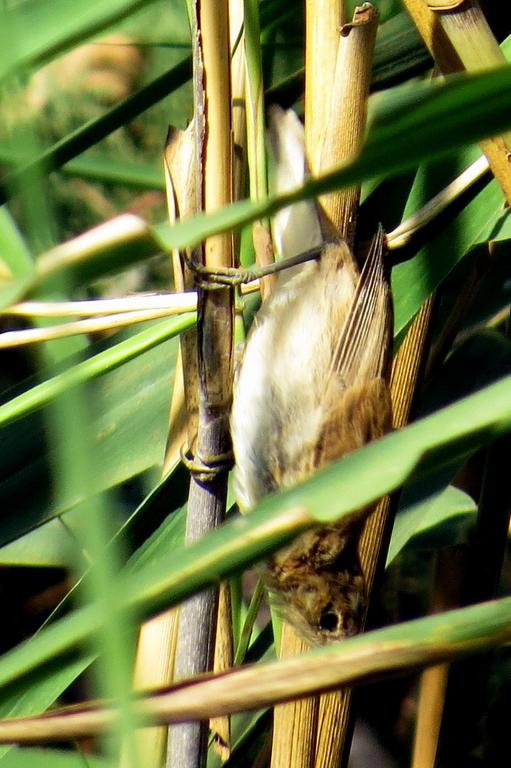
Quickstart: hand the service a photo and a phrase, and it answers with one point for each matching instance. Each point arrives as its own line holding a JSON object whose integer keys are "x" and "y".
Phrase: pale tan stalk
{"x": 112, "y": 235}
{"x": 334, "y": 128}
{"x": 345, "y": 126}
{"x": 238, "y": 80}
{"x": 334, "y": 717}
{"x": 173, "y": 303}
{"x": 408, "y": 364}
{"x": 429, "y": 715}
{"x": 153, "y": 669}
{"x": 333, "y": 723}
{"x": 217, "y": 184}
{"x": 460, "y": 38}
{"x": 407, "y": 369}
{"x": 342, "y": 142}
{"x": 434, "y": 38}
{"x": 220, "y": 727}
{"x": 334, "y": 714}
{"x": 206, "y": 503}
{"x": 179, "y": 165}
{"x": 401, "y": 235}
{"x": 9, "y": 339}
{"x": 323, "y": 22}
{"x": 295, "y": 723}
{"x": 433, "y": 684}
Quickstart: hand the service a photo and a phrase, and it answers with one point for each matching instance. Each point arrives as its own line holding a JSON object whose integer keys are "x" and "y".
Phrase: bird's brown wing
{"x": 356, "y": 396}
{"x": 363, "y": 348}
{"x": 357, "y": 415}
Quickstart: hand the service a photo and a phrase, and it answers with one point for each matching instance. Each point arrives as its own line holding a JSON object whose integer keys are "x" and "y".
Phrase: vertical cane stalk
{"x": 329, "y": 142}
{"x": 208, "y": 488}
{"x": 459, "y": 38}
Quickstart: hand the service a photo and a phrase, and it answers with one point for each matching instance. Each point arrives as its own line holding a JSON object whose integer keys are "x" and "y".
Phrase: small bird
{"x": 312, "y": 387}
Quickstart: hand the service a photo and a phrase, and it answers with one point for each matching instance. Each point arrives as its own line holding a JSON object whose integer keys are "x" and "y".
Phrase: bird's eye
{"x": 329, "y": 620}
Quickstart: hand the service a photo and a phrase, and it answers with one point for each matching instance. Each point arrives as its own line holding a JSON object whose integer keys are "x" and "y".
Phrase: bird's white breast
{"x": 280, "y": 385}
